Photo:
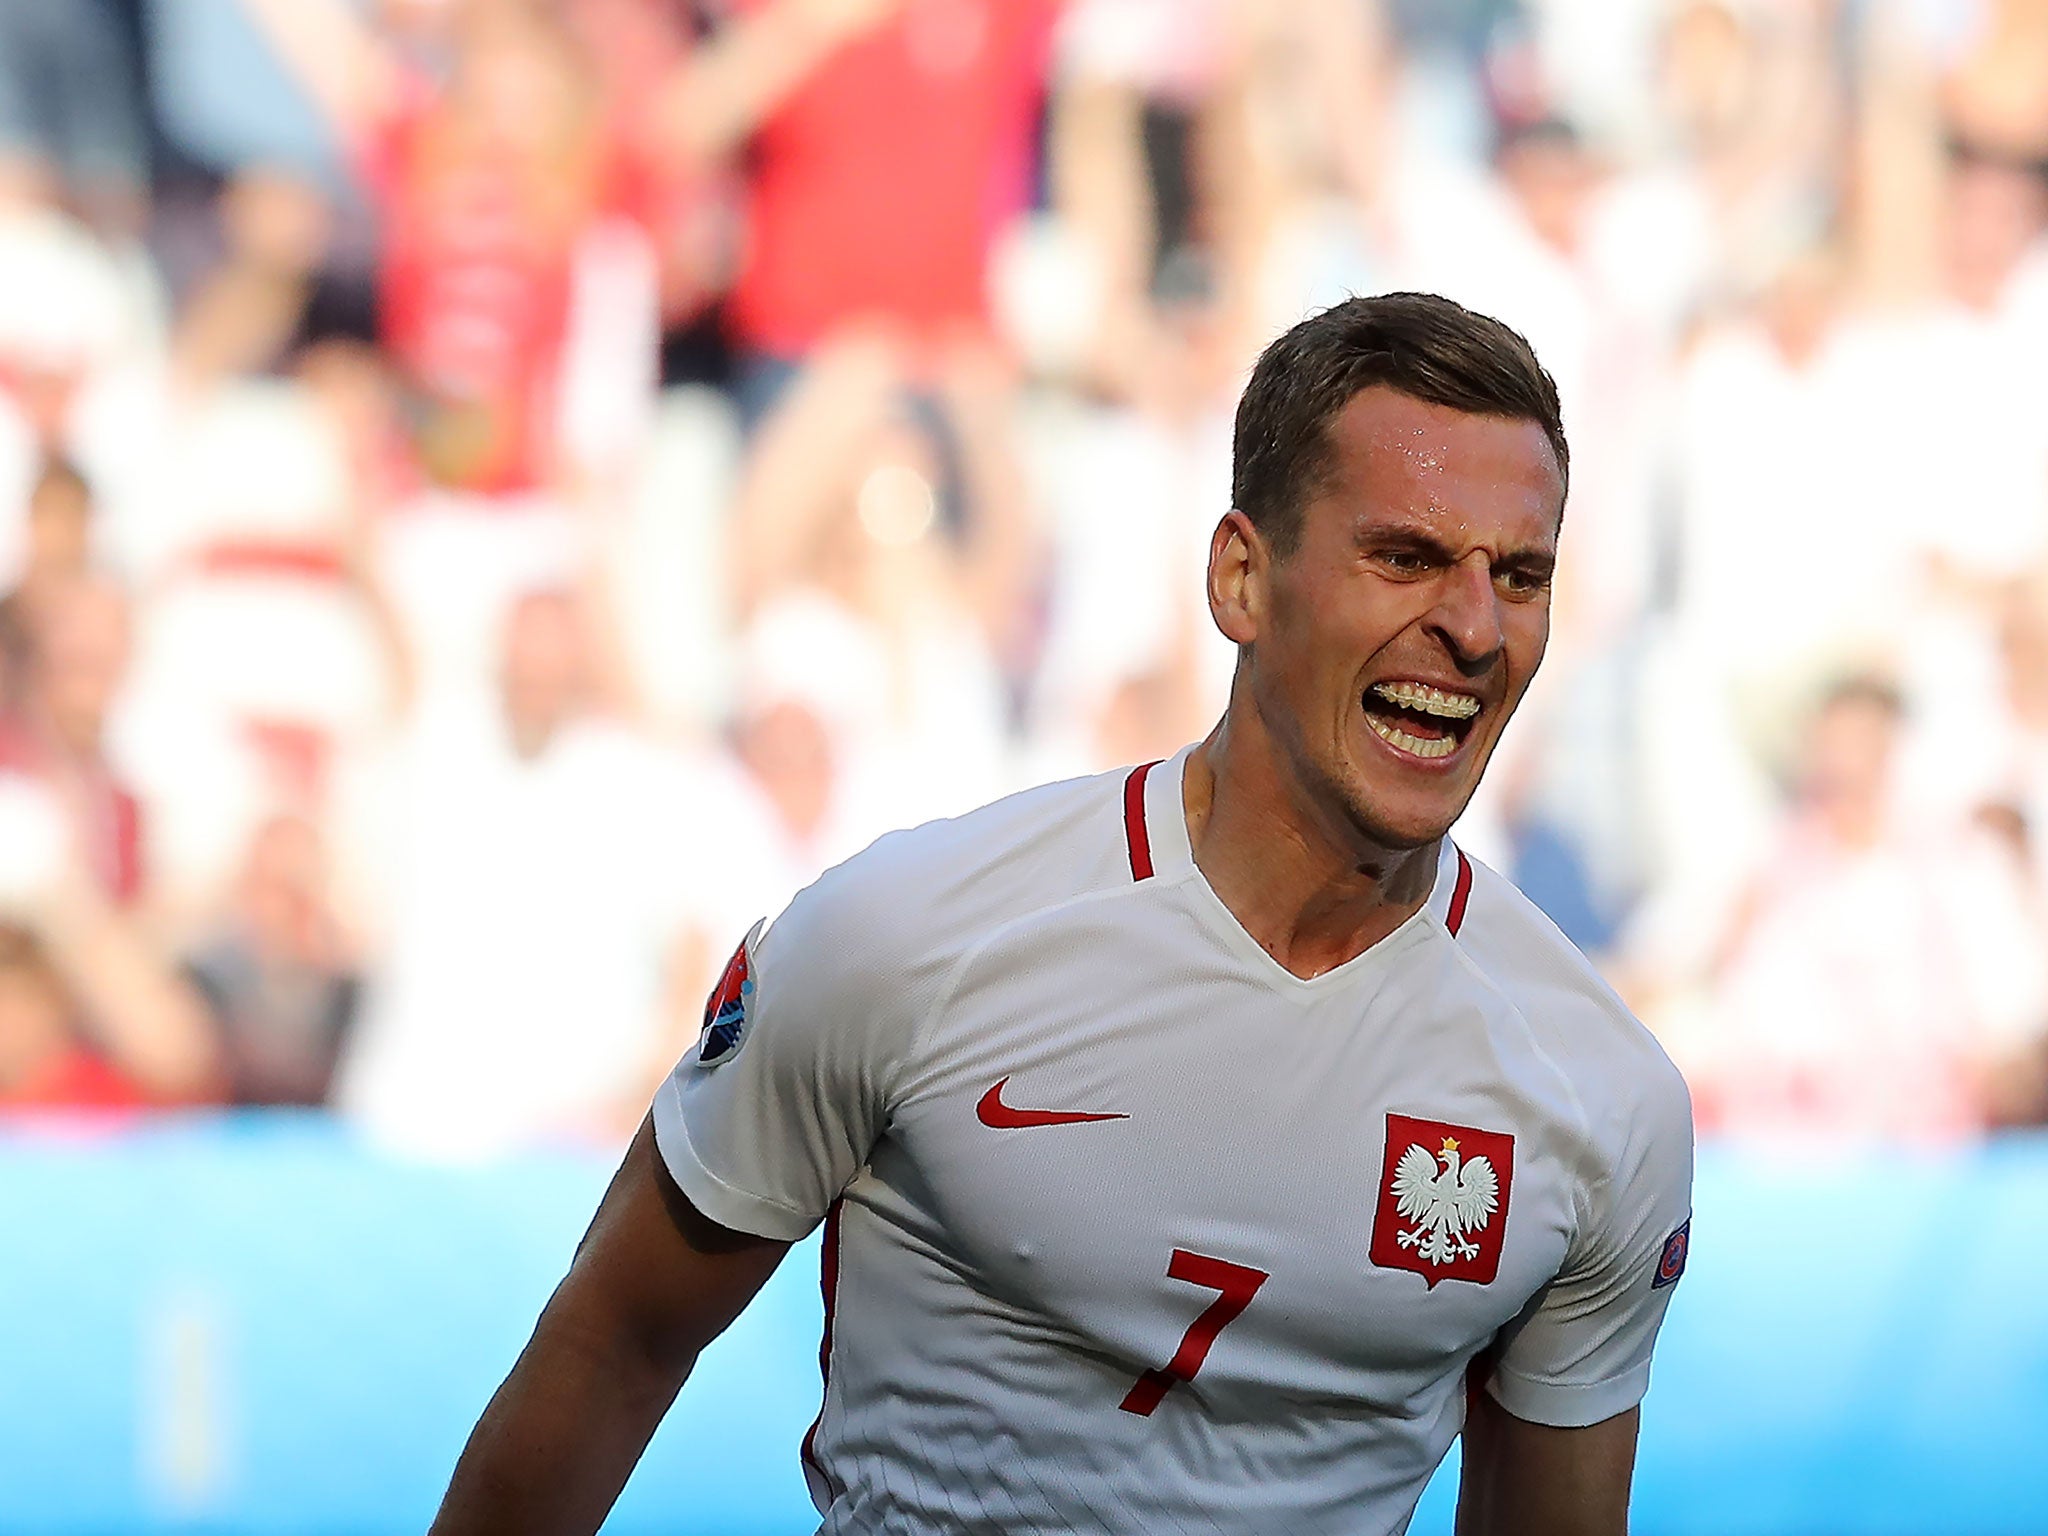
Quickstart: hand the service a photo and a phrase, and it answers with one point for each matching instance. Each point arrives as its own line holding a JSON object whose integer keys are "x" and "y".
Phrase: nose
{"x": 1467, "y": 614}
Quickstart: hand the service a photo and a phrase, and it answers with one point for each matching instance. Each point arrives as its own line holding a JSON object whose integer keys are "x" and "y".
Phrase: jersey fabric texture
{"x": 1129, "y": 1228}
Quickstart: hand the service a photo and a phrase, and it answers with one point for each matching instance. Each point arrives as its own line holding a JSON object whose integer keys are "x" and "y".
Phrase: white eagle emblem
{"x": 1444, "y": 1206}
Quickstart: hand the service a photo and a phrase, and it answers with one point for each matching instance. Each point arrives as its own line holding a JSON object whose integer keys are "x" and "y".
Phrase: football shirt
{"x": 1130, "y": 1228}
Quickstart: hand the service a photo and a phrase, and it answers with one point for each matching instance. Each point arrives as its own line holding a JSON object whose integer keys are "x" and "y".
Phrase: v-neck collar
{"x": 1173, "y": 862}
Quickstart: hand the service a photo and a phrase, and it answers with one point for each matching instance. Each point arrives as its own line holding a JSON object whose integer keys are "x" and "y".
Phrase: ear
{"x": 1238, "y": 566}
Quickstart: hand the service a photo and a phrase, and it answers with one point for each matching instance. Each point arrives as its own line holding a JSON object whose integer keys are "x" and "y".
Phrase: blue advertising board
{"x": 255, "y": 1325}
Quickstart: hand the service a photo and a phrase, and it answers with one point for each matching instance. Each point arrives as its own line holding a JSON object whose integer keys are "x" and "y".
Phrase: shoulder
{"x": 1621, "y": 1074}
{"x": 896, "y": 916}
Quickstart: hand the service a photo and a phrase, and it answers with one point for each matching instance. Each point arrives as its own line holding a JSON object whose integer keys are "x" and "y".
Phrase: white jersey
{"x": 1129, "y": 1228}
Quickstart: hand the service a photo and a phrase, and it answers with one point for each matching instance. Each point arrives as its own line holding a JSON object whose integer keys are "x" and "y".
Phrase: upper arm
{"x": 1538, "y": 1480}
{"x": 764, "y": 1130}
{"x": 655, "y": 1274}
{"x": 1580, "y": 1354}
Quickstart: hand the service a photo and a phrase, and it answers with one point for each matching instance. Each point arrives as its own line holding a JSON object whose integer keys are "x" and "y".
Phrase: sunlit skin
{"x": 83, "y": 658}
{"x": 1426, "y": 558}
{"x": 546, "y": 673}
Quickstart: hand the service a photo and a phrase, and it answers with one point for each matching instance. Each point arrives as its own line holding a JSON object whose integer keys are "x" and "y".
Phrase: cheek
{"x": 1323, "y": 632}
{"x": 1328, "y": 653}
{"x": 1528, "y": 637}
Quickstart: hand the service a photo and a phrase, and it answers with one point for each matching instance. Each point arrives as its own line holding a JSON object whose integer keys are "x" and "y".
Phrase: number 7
{"x": 1236, "y": 1284}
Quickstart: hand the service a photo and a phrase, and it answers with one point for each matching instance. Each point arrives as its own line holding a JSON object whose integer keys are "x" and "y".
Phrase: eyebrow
{"x": 1531, "y": 559}
{"x": 1409, "y": 540}
{"x": 1530, "y": 562}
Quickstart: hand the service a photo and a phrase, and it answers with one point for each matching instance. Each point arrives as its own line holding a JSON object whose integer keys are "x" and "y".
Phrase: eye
{"x": 1519, "y": 582}
{"x": 1404, "y": 562}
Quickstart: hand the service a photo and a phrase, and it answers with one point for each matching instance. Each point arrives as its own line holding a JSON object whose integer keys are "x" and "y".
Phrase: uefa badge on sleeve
{"x": 1671, "y": 1262}
{"x": 725, "y": 1015}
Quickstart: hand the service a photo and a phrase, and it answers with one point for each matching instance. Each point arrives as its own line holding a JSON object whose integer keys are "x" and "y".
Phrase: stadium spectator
{"x": 73, "y": 855}
{"x": 68, "y": 314}
{"x": 44, "y": 1062}
{"x": 937, "y": 540}
{"x": 1737, "y": 165}
{"x": 1133, "y": 180}
{"x": 487, "y": 182}
{"x": 59, "y": 547}
{"x": 787, "y": 752}
{"x": 278, "y": 973}
{"x": 1996, "y": 90}
{"x": 542, "y": 877}
{"x": 1852, "y": 994}
{"x": 841, "y": 542}
{"x": 73, "y": 131}
{"x": 682, "y": 190}
{"x": 496, "y": 177}
{"x": 2022, "y": 782}
{"x": 902, "y": 150}
{"x": 58, "y": 736}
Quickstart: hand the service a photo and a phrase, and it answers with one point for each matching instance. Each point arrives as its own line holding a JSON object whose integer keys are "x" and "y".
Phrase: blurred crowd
{"x": 495, "y": 495}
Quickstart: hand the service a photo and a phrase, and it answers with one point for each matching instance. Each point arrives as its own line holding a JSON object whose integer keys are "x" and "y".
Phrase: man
{"x": 1187, "y": 1137}
{"x": 539, "y": 856}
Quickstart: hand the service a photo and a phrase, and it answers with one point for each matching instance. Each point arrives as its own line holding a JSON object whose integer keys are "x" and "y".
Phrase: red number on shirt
{"x": 1236, "y": 1285}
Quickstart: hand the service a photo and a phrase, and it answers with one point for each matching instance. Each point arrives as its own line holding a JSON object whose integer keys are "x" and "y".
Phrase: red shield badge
{"x": 1443, "y": 1207}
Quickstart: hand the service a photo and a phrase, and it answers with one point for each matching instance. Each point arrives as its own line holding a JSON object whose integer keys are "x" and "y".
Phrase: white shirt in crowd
{"x": 1870, "y": 987}
{"x": 533, "y": 909}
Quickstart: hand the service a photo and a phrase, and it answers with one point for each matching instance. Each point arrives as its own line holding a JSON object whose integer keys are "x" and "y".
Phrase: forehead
{"x": 1487, "y": 478}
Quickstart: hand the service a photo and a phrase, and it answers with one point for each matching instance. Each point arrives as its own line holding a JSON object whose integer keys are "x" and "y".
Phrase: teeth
{"x": 1415, "y": 746}
{"x": 1431, "y": 701}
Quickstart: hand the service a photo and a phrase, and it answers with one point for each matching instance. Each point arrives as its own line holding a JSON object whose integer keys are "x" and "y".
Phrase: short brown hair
{"x": 1421, "y": 344}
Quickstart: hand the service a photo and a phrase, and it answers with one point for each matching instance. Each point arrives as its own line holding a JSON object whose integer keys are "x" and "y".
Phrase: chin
{"x": 1402, "y": 807}
{"x": 1403, "y": 838}
{"x": 1402, "y": 829}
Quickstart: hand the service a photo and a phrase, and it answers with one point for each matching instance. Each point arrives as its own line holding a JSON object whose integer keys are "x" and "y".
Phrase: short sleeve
{"x": 771, "y": 1114}
{"x": 1582, "y": 1354}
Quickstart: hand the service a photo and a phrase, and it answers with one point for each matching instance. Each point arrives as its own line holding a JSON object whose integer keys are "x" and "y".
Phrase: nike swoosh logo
{"x": 993, "y": 1112}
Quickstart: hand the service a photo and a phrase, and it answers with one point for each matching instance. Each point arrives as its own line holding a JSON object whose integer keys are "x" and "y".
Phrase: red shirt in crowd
{"x": 479, "y": 246}
{"x": 76, "y": 1079}
{"x": 877, "y": 188}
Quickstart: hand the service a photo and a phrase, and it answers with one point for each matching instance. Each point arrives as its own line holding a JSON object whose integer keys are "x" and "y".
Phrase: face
{"x": 1848, "y": 757}
{"x": 547, "y": 664}
{"x": 1994, "y": 215}
{"x": 59, "y": 527}
{"x": 1550, "y": 180}
{"x": 1385, "y": 653}
{"x": 1708, "y": 69}
{"x": 517, "y": 86}
{"x": 789, "y": 752}
{"x": 84, "y": 656}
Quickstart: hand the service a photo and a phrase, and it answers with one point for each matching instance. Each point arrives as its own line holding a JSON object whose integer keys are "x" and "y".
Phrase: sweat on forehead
{"x": 1387, "y": 454}
{"x": 1416, "y": 344}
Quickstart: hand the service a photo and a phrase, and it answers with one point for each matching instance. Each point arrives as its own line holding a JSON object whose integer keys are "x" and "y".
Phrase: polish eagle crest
{"x": 1443, "y": 1204}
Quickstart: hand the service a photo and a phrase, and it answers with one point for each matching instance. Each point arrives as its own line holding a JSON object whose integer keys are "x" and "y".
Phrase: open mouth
{"x": 1419, "y": 720}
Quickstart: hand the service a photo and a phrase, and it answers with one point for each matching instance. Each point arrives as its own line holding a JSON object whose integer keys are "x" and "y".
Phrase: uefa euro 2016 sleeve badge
{"x": 725, "y": 1014}
{"x": 1671, "y": 1262}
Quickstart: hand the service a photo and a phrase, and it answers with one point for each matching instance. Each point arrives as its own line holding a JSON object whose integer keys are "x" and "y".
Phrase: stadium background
{"x": 496, "y": 494}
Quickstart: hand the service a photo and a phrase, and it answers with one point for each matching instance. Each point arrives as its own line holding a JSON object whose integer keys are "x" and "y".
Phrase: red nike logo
{"x": 992, "y": 1111}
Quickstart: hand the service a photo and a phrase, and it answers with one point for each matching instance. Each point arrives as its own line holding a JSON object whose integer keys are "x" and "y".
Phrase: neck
{"x": 1312, "y": 893}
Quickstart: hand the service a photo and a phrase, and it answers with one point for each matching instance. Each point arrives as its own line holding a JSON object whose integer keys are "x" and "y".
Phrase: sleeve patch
{"x": 725, "y": 1011}
{"x": 1671, "y": 1263}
